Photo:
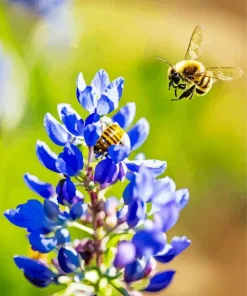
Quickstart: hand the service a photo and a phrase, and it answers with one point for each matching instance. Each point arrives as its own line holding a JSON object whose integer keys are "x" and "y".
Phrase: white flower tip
{"x": 81, "y": 84}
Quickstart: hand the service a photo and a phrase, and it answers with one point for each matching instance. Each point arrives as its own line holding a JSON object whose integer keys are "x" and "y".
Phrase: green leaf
{"x": 114, "y": 239}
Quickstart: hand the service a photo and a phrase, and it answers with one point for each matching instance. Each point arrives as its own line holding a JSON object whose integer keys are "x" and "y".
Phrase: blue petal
{"x": 66, "y": 191}
{"x": 100, "y": 82}
{"x": 110, "y": 98}
{"x": 55, "y": 130}
{"x": 36, "y": 272}
{"x": 149, "y": 242}
{"x": 42, "y": 244}
{"x": 125, "y": 116}
{"x": 87, "y": 99}
{"x": 51, "y": 209}
{"x": 68, "y": 259}
{"x": 167, "y": 216}
{"x": 125, "y": 254}
{"x": 122, "y": 171}
{"x": 106, "y": 172}
{"x": 138, "y": 133}
{"x": 92, "y": 118}
{"x": 29, "y": 215}
{"x": 117, "y": 83}
{"x": 144, "y": 185}
{"x": 118, "y": 152}
{"x": 128, "y": 194}
{"x": 78, "y": 210}
{"x": 157, "y": 167}
{"x": 46, "y": 156}
{"x": 134, "y": 271}
{"x": 177, "y": 246}
{"x": 45, "y": 190}
{"x": 163, "y": 191}
{"x": 182, "y": 197}
{"x": 92, "y": 130}
{"x": 105, "y": 105}
{"x": 71, "y": 119}
{"x": 92, "y": 133}
{"x": 122, "y": 215}
{"x": 70, "y": 161}
{"x": 136, "y": 213}
{"x": 62, "y": 236}
{"x": 160, "y": 281}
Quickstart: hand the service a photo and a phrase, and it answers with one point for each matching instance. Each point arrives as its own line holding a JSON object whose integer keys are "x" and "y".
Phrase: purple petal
{"x": 157, "y": 167}
{"x": 46, "y": 156}
{"x": 160, "y": 281}
{"x": 106, "y": 172}
{"x": 118, "y": 152}
{"x": 144, "y": 185}
{"x": 182, "y": 197}
{"x": 163, "y": 191}
{"x": 71, "y": 119}
{"x": 55, "y": 130}
{"x": 138, "y": 133}
{"x": 87, "y": 99}
{"x": 125, "y": 254}
{"x": 136, "y": 213}
{"x": 100, "y": 82}
{"x": 36, "y": 272}
{"x": 134, "y": 271}
{"x": 122, "y": 214}
{"x": 125, "y": 116}
{"x": 167, "y": 216}
{"x": 45, "y": 190}
{"x": 149, "y": 242}
{"x": 177, "y": 246}
{"x": 42, "y": 244}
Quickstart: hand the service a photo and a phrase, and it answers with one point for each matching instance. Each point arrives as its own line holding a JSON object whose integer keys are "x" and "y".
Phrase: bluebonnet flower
{"x": 123, "y": 238}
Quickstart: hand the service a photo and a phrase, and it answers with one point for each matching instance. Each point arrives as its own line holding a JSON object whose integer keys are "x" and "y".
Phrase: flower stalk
{"x": 119, "y": 240}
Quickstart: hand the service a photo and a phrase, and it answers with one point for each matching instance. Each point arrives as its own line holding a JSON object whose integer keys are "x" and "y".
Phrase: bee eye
{"x": 176, "y": 75}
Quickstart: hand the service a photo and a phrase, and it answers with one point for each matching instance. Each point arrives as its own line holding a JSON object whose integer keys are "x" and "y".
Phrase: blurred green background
{"x": 203, "y": 140}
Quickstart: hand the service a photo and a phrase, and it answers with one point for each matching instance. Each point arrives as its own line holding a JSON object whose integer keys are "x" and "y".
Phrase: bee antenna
{"x": 165, "y": 62}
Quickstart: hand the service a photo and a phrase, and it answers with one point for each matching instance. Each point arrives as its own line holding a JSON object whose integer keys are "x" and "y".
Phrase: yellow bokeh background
{"x": 202, "y": 140}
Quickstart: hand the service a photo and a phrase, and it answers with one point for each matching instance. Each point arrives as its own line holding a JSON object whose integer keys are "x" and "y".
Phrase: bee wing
{"x": 224, "y": 73}
{"x": 193, "y": 50}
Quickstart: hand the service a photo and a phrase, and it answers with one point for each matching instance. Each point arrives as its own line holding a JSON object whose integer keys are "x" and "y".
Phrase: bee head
{"x": 174, "y": 76}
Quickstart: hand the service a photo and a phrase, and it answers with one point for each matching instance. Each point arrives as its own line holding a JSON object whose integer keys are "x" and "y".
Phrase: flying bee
{"x": 112, "y": 135}
{"x": 191, "y": 76}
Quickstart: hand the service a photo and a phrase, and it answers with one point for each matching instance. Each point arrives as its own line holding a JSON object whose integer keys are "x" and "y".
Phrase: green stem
{"x": 82, "y": 227}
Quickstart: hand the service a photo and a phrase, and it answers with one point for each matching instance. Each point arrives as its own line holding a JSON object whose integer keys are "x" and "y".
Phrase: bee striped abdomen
{"x": 204, "y": 85}
{"x": 112, "y": 135}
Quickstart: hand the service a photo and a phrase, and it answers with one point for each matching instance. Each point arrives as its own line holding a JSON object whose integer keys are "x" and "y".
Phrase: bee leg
{"x": 187, "y": 93}
{"x": 170, "y": 84}
{"x": 182, "y": 86}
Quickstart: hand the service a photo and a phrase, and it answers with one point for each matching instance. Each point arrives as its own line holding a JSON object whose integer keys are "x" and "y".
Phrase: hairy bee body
{"x": 191, "y": 76}
{"x": 193, "y": 73}
{"x": 112, "y": 135}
